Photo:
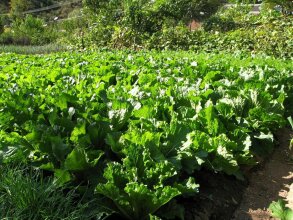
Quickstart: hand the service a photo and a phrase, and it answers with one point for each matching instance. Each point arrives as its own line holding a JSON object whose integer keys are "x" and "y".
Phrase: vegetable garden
{"x": 132, "y": 129}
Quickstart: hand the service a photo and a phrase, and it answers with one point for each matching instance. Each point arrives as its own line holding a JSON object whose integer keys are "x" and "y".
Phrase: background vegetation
{"x": 156, "y": 25}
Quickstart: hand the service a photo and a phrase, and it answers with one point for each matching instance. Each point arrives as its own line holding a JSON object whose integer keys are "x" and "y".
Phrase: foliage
{"x": 172, "y": 38}
{"x": 19, "y": 6}
{"x": 161, "y": 25}
{"x": 6, "y": 38}
{"x": 236, "y": 13}
{"x": 272, "y": 36}
{"x": 138, "y": 186}
{"x": 4, "y": 6}
{"x": 286, "y": 5}
{"x": 1, "y": 26}
{"x": 216, "y": 23}
{"x": 5, "y": 19}
{"x": 137, "y": 126}
{"x": 280, "y": 211}
{"x": 149, "y": 16}
{"x": 28, "y": 31}
{"x": 269, "y": 34}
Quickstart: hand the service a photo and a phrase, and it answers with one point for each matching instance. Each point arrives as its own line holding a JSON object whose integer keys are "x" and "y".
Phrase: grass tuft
{"x": 26, "y": 194}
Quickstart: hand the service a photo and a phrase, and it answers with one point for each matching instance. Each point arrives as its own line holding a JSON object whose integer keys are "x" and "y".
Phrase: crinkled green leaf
{"x": 279, "y": 210}
{"x": 80, "y": 159}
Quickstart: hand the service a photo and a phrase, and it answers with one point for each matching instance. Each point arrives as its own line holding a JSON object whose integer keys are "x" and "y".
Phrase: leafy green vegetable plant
{"x": 280, "y": 211}
{"x": 136, "y": 126}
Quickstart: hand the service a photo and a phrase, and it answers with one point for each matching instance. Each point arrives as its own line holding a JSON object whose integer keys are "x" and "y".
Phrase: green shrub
{"x": 6, "y": 38}
{"x": 286, "y": 5}
{"x": 1, "y": 26}
{"x": 6, "y": 20}
{"x": 29, "y": 30}
{"x": 171, "y": 38}
{"x": 237, "y": 12}
{"x": 32, "y": 31}
{"x": 19, "y": 6}
{"x": 150, "y": 16}
{"x": 125, "y": 37}
{"x": 230, "y": 30}
{"x": 221, "y": 24}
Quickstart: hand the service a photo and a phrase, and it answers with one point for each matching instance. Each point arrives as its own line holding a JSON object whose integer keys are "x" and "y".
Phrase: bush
{"x": 19, "y": 6}
{"x": 286, "y": 6}
{"x": 231, "y": 30}
{"x": 1, "y": 26}
{"x": 222, "y": 24}
{"x": 171, "y": 38}
{"x": 274, "y": 39}
{"x": 6, "y": 38}
{"x": 32, "y": 31}
{"x": 149, "y": 16}
{"x": 238, "y": 11}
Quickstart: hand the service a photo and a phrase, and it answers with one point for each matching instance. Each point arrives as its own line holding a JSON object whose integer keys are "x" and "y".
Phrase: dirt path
{"x": 272, "y": 181}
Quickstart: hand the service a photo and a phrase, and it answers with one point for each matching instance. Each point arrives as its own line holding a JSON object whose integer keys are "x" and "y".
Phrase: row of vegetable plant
{"x": 136, "y": 126}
